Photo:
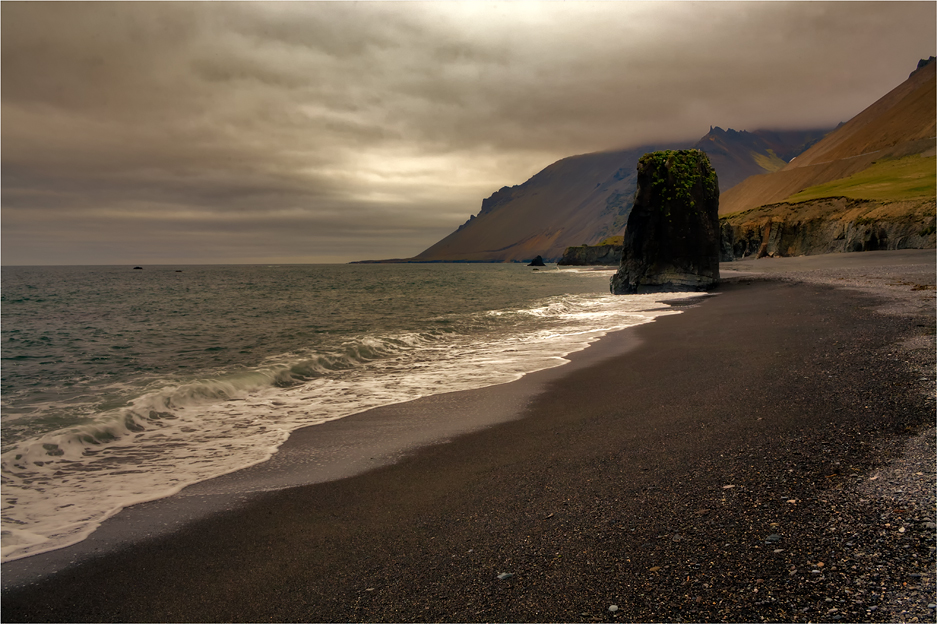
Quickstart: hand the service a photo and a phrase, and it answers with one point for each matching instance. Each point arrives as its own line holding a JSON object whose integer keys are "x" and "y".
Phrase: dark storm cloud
{"x": 333, "y": 131}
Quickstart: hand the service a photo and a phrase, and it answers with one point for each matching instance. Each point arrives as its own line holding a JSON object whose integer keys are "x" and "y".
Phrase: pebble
{"x": 505, "y": 575}
{"x": 613, "y": 608}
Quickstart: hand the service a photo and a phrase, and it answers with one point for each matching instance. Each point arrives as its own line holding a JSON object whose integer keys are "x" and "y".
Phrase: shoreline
{"x": 323, "y": 452}
{"x": 530, "y": 459}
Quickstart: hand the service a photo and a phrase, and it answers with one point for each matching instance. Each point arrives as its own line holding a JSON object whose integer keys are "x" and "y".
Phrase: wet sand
{"x": 649, "y": 475}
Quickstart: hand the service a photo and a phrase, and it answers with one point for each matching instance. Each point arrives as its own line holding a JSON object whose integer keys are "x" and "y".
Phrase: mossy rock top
{"x": 675, "y": 173}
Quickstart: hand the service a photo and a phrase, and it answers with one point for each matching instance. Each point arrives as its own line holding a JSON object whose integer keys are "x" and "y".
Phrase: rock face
{"x": 829, "y": 225}
{"x": 672, "y": 240}
{"x": 591, "y": 255}
{"x": 538, "y": 261}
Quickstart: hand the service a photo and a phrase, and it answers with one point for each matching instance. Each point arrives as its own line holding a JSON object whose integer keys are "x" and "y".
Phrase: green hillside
{"x": 889, "y": 180}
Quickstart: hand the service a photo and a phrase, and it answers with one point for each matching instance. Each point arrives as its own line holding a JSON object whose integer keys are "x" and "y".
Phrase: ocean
{"x": 121, "y": 385}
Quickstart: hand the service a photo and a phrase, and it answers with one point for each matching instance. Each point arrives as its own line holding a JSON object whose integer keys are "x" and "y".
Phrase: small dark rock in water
{"x": 137, "y": 268}
{"x": 672, "y": 238}
{"x": 538, "y": 261}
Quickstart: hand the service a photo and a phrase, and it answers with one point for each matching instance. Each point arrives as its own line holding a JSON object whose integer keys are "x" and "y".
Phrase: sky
{"x": 319, "y": 132}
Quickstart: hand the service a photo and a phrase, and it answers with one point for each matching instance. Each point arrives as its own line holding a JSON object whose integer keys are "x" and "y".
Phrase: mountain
{"x": 868, "y": 185}
{"x": 577, "y": 200}
{"x": 902, "y": 123}
{"x": 736, "y": 155}
{"x": 583, "y": 199}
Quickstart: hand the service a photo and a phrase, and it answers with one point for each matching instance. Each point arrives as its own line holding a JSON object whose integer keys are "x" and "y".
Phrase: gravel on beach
{"x": 766, "y": 456}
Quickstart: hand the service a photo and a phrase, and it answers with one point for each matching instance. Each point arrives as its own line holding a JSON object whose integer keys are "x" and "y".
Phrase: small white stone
{"x": 613, "y": 608}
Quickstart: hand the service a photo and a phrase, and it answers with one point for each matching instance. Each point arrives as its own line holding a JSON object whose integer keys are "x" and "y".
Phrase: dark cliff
{"x": 591, "y": 255}
{"x": 829, "y": 225}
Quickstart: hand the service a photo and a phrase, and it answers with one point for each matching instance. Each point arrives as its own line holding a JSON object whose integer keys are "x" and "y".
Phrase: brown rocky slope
{"x": 901, "y": 123}
{"x": 863, "y": 187}
{"x": 577, "y": 200}
{"x": 583, "y": 199}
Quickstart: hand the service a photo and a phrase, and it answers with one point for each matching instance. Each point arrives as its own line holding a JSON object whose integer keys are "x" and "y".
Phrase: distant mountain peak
{"x": 738, "y": 154}
{"x": 922, "y": 64}
{"x": 900, "y": 123}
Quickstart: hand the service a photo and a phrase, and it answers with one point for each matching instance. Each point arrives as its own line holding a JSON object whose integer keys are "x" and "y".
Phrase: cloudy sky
{"x": 332, "y": 131}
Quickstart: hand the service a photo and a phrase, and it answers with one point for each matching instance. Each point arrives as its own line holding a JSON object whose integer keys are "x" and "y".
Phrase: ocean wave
{"x": 61, "y": 484}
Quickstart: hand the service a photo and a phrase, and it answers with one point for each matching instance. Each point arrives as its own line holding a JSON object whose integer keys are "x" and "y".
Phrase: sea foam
{"x": 60, "y": 485}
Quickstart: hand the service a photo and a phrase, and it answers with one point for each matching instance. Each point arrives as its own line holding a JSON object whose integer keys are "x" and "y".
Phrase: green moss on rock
{"x": 676, "y": 173}
{"x": 672, "y": 239}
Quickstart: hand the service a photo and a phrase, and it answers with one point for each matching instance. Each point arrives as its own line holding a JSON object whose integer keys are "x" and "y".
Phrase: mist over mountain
{"x": 901, "y": 123}
{"x": 869, "y": 185}
{"x": 736, "y": 155}
{"x": 581, "y": 200}
{"x": 584, "y": 199}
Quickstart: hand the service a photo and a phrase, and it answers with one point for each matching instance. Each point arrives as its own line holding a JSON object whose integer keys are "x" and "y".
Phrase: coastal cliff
{"x": 591, "y": 255}
{"x": 828, "y": 225}
{"x": 606, "y": 253}
{"x": 868, "y": 186}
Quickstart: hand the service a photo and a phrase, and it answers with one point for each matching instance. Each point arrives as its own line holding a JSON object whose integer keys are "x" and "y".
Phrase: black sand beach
{"x": 711, "y": 466}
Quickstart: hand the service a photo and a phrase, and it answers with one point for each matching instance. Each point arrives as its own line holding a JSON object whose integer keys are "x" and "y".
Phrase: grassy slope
{"x": 899, "y": 124}
{"x": 891, "y": 180}
{"x": 769, "y": 162}
{"x": 894, "y": 190}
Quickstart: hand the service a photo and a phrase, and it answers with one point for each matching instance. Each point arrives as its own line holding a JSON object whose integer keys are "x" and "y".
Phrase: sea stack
{"x": 538, "y": 262}
{"x": 672, "y": 236}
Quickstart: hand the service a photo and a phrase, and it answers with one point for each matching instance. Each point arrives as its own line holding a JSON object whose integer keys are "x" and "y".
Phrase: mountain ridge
{"x": 580, "y": 200}
{"x": 901, "y": 123}
{"x": 585, "y": 198}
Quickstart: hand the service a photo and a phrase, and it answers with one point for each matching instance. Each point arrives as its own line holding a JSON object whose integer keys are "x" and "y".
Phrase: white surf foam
{"x": 58, "y": 487}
